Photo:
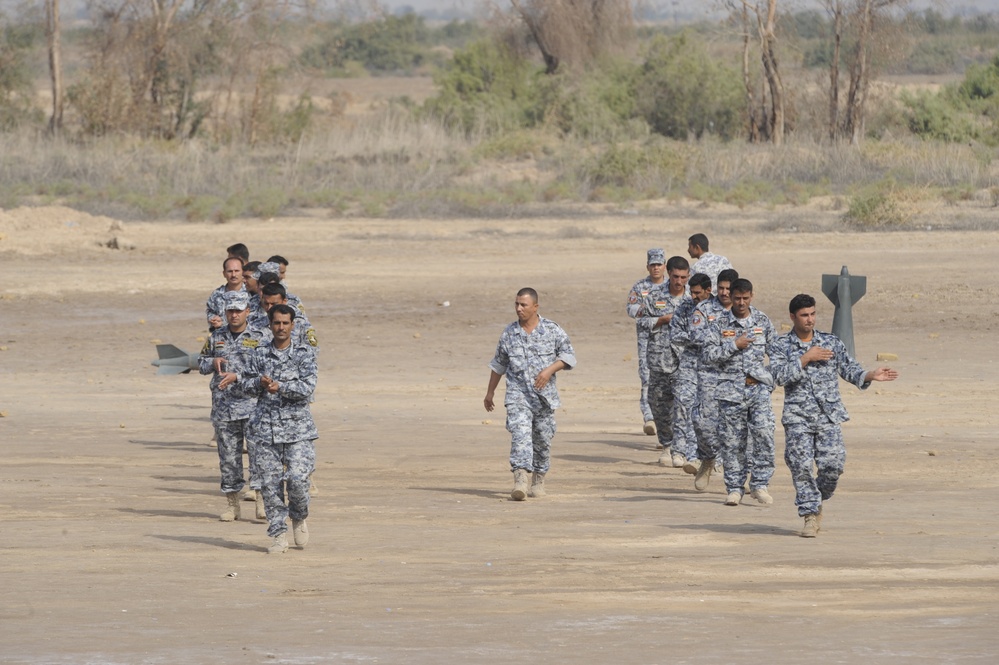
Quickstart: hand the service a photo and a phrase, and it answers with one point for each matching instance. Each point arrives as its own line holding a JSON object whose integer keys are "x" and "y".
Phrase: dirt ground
{"x": 112, "y": 550}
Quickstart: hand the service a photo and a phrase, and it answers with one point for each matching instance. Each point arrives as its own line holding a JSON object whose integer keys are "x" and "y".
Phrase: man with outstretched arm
{"x": 809, "y": 364}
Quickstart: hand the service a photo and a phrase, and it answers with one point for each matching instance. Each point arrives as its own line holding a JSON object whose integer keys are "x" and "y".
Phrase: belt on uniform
{"x": 750, "y": 381}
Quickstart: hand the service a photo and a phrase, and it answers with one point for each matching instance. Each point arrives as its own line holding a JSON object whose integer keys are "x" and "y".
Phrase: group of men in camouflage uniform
{"x": 261, "y": 353}
{"x": 709, "y": 363}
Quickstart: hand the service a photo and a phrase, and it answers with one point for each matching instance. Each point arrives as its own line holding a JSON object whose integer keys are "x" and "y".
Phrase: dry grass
{"x": 388, "y": 163}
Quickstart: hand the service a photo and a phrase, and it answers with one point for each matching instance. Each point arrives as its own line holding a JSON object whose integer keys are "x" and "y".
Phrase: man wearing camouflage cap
{"x": 642, "y": 301}
{"x": 225, "y": 355}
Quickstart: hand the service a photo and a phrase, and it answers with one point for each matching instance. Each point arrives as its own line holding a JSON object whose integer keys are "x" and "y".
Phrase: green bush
{"x": 389, "y": 44}
{"x": 486, "y": 88}
{"x": 879, "y": 206}
{"x": 980, "y": 89}
{"x": 932, "y": 116}
{"x": 682, "y": 91}
{"x": 599, "y": 106}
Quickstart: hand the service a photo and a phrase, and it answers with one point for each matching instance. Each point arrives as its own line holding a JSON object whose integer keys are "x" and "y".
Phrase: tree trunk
{"x": 853, "y": 123}
{"x": 53, "y": 32}
{"x": 836, "y": 8}
{"x": 752, "y": 118}
{"x": 768, "y": 47}
{"x": 551, "y": 60}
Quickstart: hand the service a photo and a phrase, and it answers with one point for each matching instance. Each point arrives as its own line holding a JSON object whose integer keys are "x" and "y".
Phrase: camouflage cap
{"x": 236, "y": 300}
{"x": 656, "y": 256}
{"x": 267, "y": 266}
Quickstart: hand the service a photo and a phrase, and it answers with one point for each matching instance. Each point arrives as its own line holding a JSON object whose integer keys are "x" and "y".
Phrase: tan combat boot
{"x": 537, "y": 485}
{"x": 519, "y": 492}
{"x": 762, "y": 495}
{"x": 703, "y": 476}
{"x": 279, "y": 545}
{"x": 811, "y": 526}
{"x": 733, "y": 498}
{"x": 231, "y": 513}
{"x": 261, "y": 513}
{"x": 301, "y": 531}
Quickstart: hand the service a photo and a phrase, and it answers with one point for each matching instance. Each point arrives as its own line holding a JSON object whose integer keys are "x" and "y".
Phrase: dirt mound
{"x": 56, "y": 230}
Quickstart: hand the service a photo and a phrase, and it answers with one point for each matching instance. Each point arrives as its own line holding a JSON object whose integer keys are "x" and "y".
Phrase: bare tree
{"x": 767, "y": 124}
{"x": 576, "y": 32}
{"x": 865, "y": 21}
{"x": 756, "y": 116}
{"x": 53, "y": 30}
{"x": 161, "y": 67}
{"x": 856, "y": 98}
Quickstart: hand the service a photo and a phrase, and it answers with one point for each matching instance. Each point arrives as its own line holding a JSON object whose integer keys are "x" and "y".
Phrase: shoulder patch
{"x": 696, "y": 319}
{"x": 632, "y": 298}
{"x": 207, "y": 347}
{"x": 310, "y": 335}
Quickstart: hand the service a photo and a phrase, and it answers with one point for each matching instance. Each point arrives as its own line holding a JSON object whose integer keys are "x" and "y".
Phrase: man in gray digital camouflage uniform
{"x": 736, "y": 346}
{"x": 641, "y": 307}
{"x": 232, "y": 271}
{"x": 268, "y": 273}
{"x": 225, "y": 355}
{"x": 706, "y": 415}
{"x": 529, "y": 353}
{"x": 662, "y": 358}
{"x": 685, "y": 386}
{"x": 809, "y": 364}
{"x": 274, "y": 294}
{"x": 705, "y": 262}
{"x": 283, "y": 376}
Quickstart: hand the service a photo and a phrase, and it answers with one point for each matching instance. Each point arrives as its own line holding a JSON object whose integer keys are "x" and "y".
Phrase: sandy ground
{"x": 112, "y": 551}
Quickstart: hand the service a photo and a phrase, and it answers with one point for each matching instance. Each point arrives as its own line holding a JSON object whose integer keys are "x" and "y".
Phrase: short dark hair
{"x": 277, "y": 258}
{"x": 230, "y": 258}
{"x": 700, "y": 280}
{"x": 251, "y": 266}
{"x": 741, "y": 286}
{"x": 239, "y": 250}
{"x": 281, "y": 309}
{"x": 268, "y": 278}
{"x": 728, "y": 275}
{"x": 700, "y": 240}
{"x": 528, "y": 291}
{"x": 274, "y": 289}
{"x": 677, "y": 263}
{"x": 800, "y": 301}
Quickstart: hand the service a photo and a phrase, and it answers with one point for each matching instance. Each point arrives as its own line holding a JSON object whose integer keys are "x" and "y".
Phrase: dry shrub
{"x": 884, "y": 205}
